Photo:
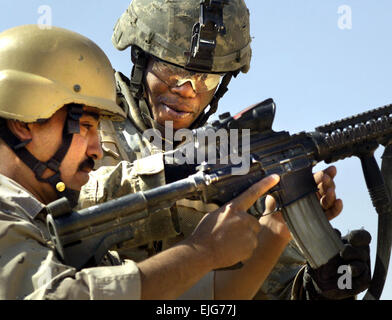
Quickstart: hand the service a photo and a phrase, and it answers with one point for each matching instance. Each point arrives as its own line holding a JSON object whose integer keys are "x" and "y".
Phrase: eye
{"x": 86, "y": 125}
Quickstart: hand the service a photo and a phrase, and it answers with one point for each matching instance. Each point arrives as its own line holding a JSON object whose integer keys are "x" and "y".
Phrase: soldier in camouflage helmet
{"x": 185, "y": 53}
{"x": 175, "y": 34}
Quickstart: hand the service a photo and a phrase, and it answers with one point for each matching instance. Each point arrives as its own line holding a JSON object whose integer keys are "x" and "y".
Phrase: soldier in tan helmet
{"x": 55, "y": 86}
{"x": 183, "y": 65}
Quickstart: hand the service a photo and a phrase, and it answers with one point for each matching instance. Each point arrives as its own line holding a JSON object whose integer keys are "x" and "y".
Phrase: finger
{"x": 326, "y": 184}
{"x": 359, "y": 238}
{"x": 337, "y": 231}
{"x": 330, "y": 172}
{"x": 328, "y": 199}
{"x": 246, "y": 199}
{"x": 250, "y": 221}
{"x": 350, "y": 253}
{"x": 362, "y": 282}
{"x": 270, "y": 204}
{"x": 335, "y": 210}
{"x": 358, "y": 268}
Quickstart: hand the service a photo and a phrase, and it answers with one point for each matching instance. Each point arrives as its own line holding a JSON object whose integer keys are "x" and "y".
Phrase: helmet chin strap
{"x": 71, "y": 126}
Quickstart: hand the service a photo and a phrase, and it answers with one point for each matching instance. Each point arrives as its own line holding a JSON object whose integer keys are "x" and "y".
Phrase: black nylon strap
{"x": 71, "y": 126}
{"x": 75, "y": 112}
{"x": 140, "y": 60}
{"x": 33, "y": 163}
{"x": 223, "y": 88}
{"x": 18, "y": 147}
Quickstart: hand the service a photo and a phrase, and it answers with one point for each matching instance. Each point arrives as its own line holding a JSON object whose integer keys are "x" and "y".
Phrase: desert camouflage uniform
{"x": 29, "y": 268}
{"x": 124, "y": 140}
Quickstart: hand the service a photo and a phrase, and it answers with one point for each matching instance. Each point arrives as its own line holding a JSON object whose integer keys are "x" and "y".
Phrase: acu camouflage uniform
{"x": 162, "y": 29}
{"x": 124, "y": 140}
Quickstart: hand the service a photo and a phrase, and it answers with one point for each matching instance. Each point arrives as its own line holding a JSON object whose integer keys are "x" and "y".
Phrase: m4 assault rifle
{"x": 83, "y": 237}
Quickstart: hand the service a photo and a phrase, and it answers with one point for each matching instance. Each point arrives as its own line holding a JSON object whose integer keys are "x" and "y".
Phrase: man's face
{"x": 85, "y": 146}
{"x": 179, "y": 104}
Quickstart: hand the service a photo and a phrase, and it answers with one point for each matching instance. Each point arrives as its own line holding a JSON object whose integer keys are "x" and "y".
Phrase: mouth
{"x": 86, "y": 166}
{"x": 84, "y": 175}
{"x": 86, "y": 170}
{"x": 177, "y": 111}
{"x": 178, "y": 107}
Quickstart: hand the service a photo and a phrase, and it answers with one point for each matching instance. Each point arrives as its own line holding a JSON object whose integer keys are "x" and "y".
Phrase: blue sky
{"x": 315, "y": 71}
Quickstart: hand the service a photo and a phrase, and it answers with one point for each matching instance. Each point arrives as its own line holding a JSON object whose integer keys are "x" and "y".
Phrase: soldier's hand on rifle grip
{"x": 326, "y": 194}
{"x": 229, "y": 234}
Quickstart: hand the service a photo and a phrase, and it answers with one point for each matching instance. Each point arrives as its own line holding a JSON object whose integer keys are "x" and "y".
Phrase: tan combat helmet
{"x": 198, "y": 35}
{"x": 43, "y": 70}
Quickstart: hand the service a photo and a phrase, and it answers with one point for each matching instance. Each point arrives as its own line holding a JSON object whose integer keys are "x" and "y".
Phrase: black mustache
{"x": 87, "y": 164}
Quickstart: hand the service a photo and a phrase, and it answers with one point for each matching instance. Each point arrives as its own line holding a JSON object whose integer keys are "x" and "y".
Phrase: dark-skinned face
{"x": 179, "y": 104}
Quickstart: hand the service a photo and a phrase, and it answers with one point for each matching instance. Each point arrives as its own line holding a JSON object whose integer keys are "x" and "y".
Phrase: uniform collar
{"x": 11, "y": 190}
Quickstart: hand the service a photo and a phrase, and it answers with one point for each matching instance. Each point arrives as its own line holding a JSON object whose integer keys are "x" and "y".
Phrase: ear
{"x": 20, "y": 129}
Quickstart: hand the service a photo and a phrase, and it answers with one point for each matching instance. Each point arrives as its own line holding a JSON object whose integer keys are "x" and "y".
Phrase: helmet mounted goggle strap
{"x": 140, "y": 61}
{"x": 203, "y": 44}
{"x": 220, "y": 92}
{"x": 71, "y": 126}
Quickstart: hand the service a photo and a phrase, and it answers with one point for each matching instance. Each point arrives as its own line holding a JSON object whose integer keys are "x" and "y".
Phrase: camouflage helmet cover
{"x": 164, "y": 28}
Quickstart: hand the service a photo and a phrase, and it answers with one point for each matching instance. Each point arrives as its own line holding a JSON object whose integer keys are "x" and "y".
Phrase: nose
{"x": 94, "y": 149}
{"x": 185, "y": 90}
